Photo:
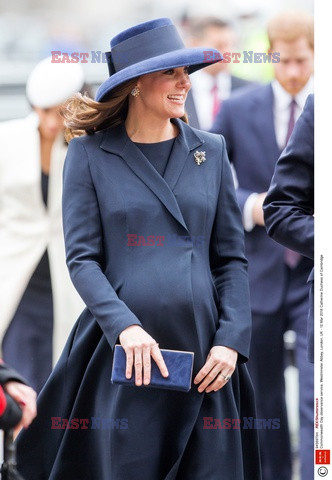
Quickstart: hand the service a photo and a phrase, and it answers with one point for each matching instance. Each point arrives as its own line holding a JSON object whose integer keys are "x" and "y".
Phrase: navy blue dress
{"x": 27, "y": 344}
{"x": 157, "y": 153}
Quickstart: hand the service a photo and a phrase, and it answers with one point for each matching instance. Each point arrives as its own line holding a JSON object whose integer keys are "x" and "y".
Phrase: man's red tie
{"x": 215, "y": 100}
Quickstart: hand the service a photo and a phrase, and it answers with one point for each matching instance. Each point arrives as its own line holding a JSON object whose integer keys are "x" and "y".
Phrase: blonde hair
{"x": 82, "y": 115}
{"x": 289, "y": 26}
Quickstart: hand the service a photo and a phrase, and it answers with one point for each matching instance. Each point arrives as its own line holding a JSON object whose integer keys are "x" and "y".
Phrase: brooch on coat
{"x": 199, "y": 157}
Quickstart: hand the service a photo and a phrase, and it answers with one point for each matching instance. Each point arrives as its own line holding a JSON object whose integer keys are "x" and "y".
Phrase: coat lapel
{"x": 117, "y": 141}
{"x": 185, "y": 143}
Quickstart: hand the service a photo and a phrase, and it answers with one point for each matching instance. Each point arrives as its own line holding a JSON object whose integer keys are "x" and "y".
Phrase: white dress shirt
{"x": 202, "y": 84}
{"x": 281, "y": 112}
{"x": 282, "y": 101}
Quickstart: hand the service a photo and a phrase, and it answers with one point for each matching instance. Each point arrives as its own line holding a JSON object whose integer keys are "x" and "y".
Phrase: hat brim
{"x": 194, "y": 58}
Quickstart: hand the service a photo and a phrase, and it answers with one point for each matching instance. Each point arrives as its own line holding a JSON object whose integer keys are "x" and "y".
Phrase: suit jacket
{"x": 236, "y": 83}
{"x": 247, "y": 123}
{"x": 188, "y": 288}
{"x": 27, "y": 228}
{"x": 289, "y": 204}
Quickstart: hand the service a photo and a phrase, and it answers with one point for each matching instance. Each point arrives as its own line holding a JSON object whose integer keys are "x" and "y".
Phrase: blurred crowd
{"x": 31, "y": 32}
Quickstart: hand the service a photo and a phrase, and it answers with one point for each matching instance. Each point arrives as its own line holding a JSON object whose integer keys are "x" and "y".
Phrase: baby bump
{"x": 175, "y": 302}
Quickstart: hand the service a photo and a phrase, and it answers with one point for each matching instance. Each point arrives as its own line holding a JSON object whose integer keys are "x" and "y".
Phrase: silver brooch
{"x": 199, "y": 157}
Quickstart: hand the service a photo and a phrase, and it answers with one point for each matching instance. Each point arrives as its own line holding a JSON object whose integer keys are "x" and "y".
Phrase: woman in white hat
{"x": 138, "y": 178}
{"x": 37, "y": 301}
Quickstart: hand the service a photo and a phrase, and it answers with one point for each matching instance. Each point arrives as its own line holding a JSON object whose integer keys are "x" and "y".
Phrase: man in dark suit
{"x": 289, "y": 204}
{"x": 211, "y": 87}
{"x": 256, "y": 125}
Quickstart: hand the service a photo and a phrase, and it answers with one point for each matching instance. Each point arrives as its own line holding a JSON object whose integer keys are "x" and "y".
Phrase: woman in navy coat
{"x": 154, "y": 246}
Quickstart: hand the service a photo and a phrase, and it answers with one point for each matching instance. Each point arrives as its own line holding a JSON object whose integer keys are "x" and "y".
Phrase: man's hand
{"x": 257, "y": 212}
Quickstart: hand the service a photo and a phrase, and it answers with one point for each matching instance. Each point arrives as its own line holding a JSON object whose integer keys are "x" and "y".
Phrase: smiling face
{"x": 162, "y": 94}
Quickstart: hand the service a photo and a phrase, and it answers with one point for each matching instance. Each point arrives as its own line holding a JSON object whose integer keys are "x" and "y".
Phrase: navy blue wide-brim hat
{"x": 150, "y": 47}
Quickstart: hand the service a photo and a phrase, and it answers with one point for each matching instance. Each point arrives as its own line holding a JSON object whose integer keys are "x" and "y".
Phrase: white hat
{"x": 50, "y": 84}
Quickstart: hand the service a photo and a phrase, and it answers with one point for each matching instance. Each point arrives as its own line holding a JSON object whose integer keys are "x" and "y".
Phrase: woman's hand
{"x": 140, "y": 347}
{"x": 26, "y": 398}
{"x": 218, "y": 369}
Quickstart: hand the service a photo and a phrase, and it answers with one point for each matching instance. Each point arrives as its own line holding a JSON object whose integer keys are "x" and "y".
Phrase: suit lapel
{"x": 265, "y": 123}
{"x": 117, "y": 141}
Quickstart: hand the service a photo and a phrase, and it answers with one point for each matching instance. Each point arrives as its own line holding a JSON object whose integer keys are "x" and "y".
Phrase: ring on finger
{"x": 226, "y": 378}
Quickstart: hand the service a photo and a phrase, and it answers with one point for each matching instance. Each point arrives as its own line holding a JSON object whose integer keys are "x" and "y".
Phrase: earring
{"x": 135, "y": 91}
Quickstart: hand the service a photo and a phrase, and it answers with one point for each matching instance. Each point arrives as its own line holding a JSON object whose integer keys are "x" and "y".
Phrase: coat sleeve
{"x": 229, "y": 268}
{"x": 289, "y": 204}
{"x": 9, "y": 374}
{"x": 84, "y": 246}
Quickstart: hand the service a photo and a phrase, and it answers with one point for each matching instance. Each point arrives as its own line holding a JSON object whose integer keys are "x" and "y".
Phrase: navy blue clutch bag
{"x": 179, "y": 365}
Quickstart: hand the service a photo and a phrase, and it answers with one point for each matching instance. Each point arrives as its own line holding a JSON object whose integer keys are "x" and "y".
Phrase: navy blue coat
{"x": 289, "y": 204}
{"x": 188, "y": 289}
{"x": 246, "y": 121}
